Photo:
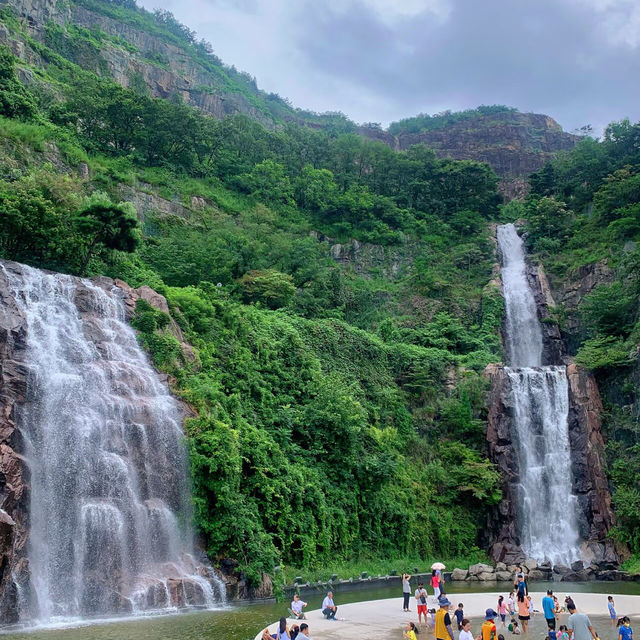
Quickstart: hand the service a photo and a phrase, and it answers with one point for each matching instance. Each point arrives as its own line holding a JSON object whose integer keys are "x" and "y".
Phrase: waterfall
{"x": 110, "y": 508}
{"x": 546, "y": 505}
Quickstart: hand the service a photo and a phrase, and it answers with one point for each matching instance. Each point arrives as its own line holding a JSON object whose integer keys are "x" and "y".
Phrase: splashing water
{"x": 110, "y": 507}
{"x": 547, "y": 507}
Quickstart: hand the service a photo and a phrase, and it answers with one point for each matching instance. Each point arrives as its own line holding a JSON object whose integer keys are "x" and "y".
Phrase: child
{"x": 513, "y": 627}
{"x": 502, "y": 611}
{"x": 411, "y": 632}
{"x": 459, "y": 614}
{"x": 530, "y": 604}
{"x": 612, "y": 610}
{"x": 511, "y": 604}
{"x": 563, "y": 633}
{"x": 466, "y": 634}
{"x": 625, "y": 632}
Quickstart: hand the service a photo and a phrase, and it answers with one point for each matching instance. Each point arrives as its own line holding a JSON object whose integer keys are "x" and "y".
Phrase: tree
{"x": 109, "y": 226}
{"x": 15, "y": 100}
{"x": 273, "y": 288}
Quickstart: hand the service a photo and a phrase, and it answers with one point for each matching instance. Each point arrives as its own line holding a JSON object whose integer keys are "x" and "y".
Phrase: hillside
{"x": 332, "y": 300}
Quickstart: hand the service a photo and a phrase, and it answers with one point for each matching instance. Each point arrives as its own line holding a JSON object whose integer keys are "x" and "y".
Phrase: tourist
{"x": 294, "y": 630}
{"x": 563, "y": 633}
{"x": 465, "y": 633}
{"x": 304, "y": 630}
{"x": 530, "y": 605}
{"x": 411, "y": 631}
{"x": 502, "y": 610}
{"x": 421, "y": 597}
{"x": 611, "y": 605}
{"x": 625, "y": 632}
{"x": 521, "y": 586}
{"x": 443, "y": 630}
{"x": 435, "y": 583}
{"x": 514, "y": 628}
{"x": 266, "y": 635}
{"x": 549, "y": 609}
{"x": 406, "y": 591}
{"x": 523, "y": 613}
{"x": 568, "y": 601}
{"x": 518, "y": 578}
{"x": 283, "y": 632}
{"x": 489, "y": 631}
{"x": 296, "y": 608}
{"x": 580, "y": 627}
{"x": 511, "y": 604}
{"x": 459, "y": 614}
{"x": 329, "y": 608}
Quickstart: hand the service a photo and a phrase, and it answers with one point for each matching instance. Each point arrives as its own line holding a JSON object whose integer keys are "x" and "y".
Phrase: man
{"x": 549, "y": 608}
{"x": 579, "y": 625}
{"x": 296, "y": 608}
{"x": 304, "y": 630}
{"x": 421, "y": 597}
{"x": 329, "y": 608}
{"x": 489, "y": 631}
{"x": 443, "y": 630}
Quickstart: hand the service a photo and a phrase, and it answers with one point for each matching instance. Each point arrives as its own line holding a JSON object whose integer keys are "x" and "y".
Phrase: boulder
{"x": 476, "y": 569}
{"x": 459, "y": 574}
{"x": 536, "y": 574}
{"x": 530, "y": 564}
{"x": 572, "y": 576}
{"x": 487, "y": 576}
{"x": 501, "y": 566}
{"x": 561, "y": 569}
{"x": 504, "y": 576}
{"x": 578, "y": 565}
{"x": 471, "y": 578}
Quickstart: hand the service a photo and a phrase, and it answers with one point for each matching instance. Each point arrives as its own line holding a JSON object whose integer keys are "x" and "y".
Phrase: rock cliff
{"x": 514, "y": 144}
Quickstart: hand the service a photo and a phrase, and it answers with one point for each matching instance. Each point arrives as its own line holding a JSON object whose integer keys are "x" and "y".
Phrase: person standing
{"x": 466, "y": 633}
{"x": 489, "y": 631}
{"x": 511, "y": 604}
{"x": 625, "y": 632}
{"x": 502, "y": 610}
{"x": 549, "y": 608}
{"x": 459, "y": 614}
{"x": 435, "y": 583}
{"x": 329, "y": 608}
{"x": 580, "y": 627}
{"x": 421, "y": 598}
{"x": 406, "y": 591}
{"x": 443, "y": 630}
{"x": 611, "y": 605}
{"x": 523, "y": 613}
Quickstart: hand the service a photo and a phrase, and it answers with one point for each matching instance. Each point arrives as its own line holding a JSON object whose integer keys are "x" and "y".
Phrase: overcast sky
{"x": 381, "y": 60}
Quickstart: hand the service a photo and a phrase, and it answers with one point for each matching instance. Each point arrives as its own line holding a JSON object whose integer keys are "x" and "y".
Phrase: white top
{"x": 466, "y": 635}
{"x": 296, "y": 606}
{"x": 327, "y": 602}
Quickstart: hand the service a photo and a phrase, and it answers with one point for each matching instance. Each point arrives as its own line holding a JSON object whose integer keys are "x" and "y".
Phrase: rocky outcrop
{"x": 14, "y": 476}
{"x": 587, "y": 461}
{"x": 167, "y": 69}
{"x": 514, "y": 144}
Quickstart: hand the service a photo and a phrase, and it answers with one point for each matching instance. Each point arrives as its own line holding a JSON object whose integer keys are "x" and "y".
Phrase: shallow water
{"x": 244, "y": 621}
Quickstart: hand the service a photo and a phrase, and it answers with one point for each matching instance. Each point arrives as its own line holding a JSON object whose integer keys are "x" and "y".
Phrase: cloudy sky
{"x": 382, "y": 60}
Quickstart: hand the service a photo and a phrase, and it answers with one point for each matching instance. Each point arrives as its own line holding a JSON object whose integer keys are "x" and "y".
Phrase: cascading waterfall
{"x": 547, "y": 507}
{"x": 110, "y": 505}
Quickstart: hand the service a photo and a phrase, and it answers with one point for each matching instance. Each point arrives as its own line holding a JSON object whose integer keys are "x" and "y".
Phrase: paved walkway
{"x": 384, "y": 619}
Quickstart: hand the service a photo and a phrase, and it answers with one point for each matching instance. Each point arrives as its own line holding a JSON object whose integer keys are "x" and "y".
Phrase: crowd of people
{"x": 513, "y": 615}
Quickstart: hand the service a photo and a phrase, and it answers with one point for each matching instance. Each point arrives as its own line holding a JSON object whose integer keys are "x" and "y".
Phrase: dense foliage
{"x": 340, "y": 405}
{"x": 584, "y": 219}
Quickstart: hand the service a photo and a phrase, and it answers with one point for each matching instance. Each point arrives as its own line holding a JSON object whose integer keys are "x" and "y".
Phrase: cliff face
{"x": 514, "y": 144}
{"x": 165, "y": 68}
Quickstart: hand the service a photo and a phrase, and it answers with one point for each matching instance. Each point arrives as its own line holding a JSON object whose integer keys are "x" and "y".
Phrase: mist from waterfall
{"x": 110, "y": 507}
{"x": 546, "y": 505}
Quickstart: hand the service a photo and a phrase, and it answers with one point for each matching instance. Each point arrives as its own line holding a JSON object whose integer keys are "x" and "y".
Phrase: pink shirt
{"x": 502, "y": 609}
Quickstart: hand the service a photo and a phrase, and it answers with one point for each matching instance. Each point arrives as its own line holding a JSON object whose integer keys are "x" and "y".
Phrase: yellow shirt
{"x": 442, "y": 620}
{"x": 411, "y": 635}
{"x": 488, "y": 630}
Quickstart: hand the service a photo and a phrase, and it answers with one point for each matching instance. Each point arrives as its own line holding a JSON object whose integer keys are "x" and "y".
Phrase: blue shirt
{"x": 459, "y": 615}
{"x": 548, "y": 605}
{"x": 626, "y": 632}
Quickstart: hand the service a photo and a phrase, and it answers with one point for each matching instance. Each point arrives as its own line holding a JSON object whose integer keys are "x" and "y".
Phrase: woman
{"x": 523, "y": 613}
{"x": 435, "y": 583}
{"x": 283, "y": 633}
{"x": 406, "y": 591}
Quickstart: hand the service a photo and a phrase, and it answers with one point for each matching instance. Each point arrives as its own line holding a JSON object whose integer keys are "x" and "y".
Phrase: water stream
{"x": 110, "y": 507}
{"x": 546, "y": 505}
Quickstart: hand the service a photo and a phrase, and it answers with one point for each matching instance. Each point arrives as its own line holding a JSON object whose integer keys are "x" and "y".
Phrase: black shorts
{"x": 551, "y": 623}
{"x": 524, "y": 617}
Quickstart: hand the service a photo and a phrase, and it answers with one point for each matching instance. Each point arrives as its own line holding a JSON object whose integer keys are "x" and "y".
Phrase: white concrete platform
{"x": 385, "y": 619}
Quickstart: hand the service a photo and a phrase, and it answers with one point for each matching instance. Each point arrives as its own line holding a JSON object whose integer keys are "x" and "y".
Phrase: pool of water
{"x": 244, "y": 621}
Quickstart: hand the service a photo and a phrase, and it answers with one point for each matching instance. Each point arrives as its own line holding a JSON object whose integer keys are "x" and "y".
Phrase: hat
{"x": 490, "y": 614}
{"x": 443, "y": 601}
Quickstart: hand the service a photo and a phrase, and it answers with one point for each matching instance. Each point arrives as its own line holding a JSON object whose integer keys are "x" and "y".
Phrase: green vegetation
{"x": 424, "y": 122}
{"x": 324, "y": 430}
{"x": 584, "y": 213}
